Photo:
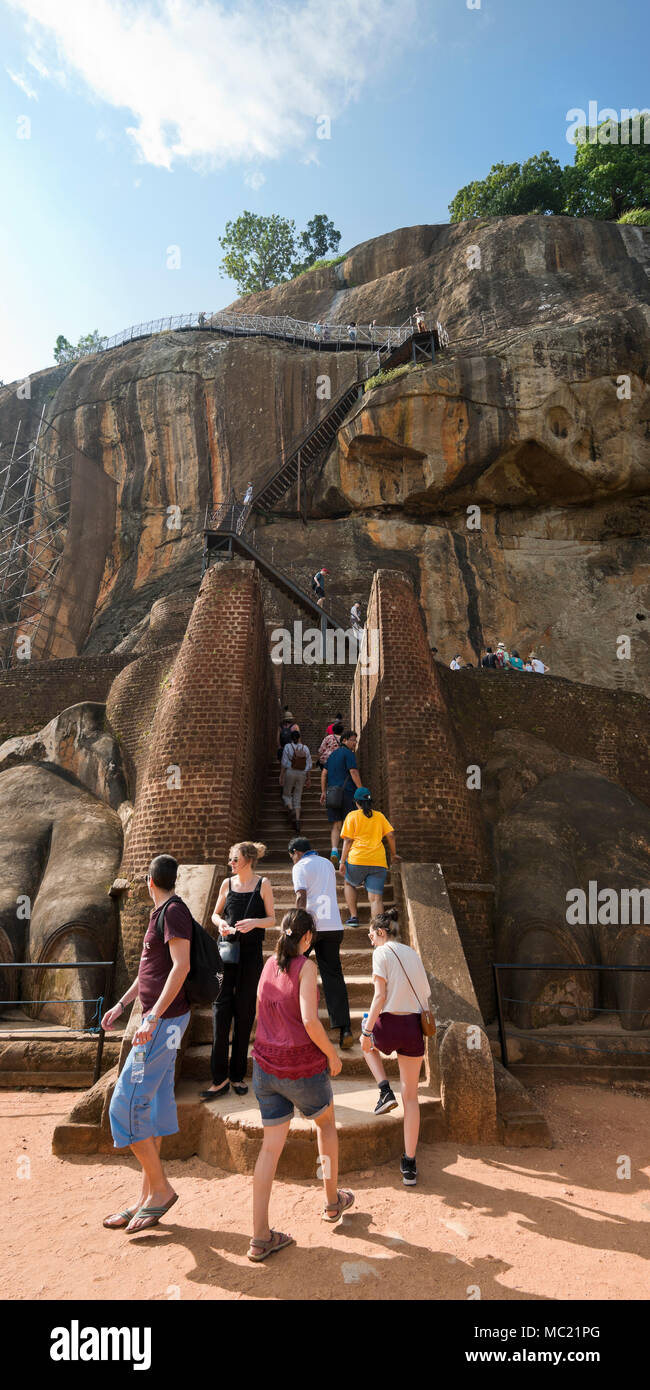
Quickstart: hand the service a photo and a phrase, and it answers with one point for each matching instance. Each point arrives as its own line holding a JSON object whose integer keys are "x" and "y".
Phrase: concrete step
{"x": 227, "y": 1134}
{"x": 353, "y": 937}
{"x": 201, "y": 1023}
{"x": 196, "y": 1063}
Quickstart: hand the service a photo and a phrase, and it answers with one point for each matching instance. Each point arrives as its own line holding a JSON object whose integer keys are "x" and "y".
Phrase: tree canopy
{"x": 607, "y": 179}
{"x": 65, "y": 351}
{"x": 260, "y": 252}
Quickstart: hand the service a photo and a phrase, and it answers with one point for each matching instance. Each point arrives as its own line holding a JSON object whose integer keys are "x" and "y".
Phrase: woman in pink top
{"x": 290, "y": 1067}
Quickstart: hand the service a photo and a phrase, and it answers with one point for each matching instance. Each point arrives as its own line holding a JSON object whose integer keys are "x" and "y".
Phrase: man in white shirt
{"x": 537, "y": 664}
{"x": 314, "y": 881}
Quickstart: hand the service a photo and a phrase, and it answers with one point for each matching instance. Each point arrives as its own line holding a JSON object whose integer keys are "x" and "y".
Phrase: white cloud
{"x": 208, "y": 82}
{"x": 255, "y": 180}
{"x": 24, "y": 85}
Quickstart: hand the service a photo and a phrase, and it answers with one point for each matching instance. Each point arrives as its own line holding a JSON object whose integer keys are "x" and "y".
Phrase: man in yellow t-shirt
{"x": 363, "y": 857}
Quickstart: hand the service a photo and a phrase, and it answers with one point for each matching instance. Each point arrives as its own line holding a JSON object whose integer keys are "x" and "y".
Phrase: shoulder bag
{"x": 230, "y": 951}
{"x": 427, "y": 1019}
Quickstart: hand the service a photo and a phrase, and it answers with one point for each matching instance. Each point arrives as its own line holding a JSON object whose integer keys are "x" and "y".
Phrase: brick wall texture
{"x": 34, "y": 692}
{"x": 609, "y": 727}
{"x": 131, "y": 708}
{"x": 214, "y": 721}
{"x": 411, "y": 759}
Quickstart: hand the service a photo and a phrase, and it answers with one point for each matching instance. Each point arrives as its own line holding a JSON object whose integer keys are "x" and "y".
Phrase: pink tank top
{"x": 283, "y": 1046}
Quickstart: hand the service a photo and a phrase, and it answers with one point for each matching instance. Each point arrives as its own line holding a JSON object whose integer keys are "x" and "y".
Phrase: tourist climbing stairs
{"x": 364, "y": 1137}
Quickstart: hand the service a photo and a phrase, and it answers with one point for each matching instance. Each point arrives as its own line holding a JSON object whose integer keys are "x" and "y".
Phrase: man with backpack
{"x": 143, "y": 1110}
{"x": 294, "y": 774}
{"x": 489, "y": 661}
{"x": 501, "y": 657}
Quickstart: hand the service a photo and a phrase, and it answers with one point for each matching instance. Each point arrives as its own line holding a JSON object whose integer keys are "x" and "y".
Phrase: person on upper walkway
{"x": 338, "y": 780}
{"x": 454, "y": 664}
{"x": 318, "y": 585}
{"x": 488, "y": 660}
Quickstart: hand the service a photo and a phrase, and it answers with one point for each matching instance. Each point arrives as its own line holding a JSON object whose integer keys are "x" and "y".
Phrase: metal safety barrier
{"x": 67, "y": 965}
{"x": 571, "y": 967}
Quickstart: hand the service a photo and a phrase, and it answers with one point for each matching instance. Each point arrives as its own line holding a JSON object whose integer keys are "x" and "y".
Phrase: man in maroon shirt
{"x": 143, "y": 1111}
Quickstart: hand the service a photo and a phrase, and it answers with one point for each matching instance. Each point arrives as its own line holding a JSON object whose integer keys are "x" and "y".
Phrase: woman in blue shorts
{"x": 363, "y": 857}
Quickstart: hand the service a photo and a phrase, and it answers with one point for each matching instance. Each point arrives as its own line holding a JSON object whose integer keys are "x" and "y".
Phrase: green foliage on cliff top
{"x": 638, "y": 217}
{"x": 264, "y": 251}
{"x": 609, "y": 177}
{"x": 380, "y": 378}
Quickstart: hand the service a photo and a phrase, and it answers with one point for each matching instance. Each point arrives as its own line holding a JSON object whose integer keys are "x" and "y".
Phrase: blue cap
{"x": 363, "y": 794}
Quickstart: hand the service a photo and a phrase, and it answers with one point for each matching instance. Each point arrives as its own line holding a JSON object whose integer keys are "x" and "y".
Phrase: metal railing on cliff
{"x": 301, "y": 331}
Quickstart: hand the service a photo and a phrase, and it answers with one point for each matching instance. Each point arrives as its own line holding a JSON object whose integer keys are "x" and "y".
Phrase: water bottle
{"x": 364, "y": 1027}
{"x": 137, "y": 1065}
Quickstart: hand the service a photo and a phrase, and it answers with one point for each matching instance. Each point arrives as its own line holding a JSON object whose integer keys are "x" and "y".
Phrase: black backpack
{"x": 489, "y": 660}
{"x": 203, "y": 983}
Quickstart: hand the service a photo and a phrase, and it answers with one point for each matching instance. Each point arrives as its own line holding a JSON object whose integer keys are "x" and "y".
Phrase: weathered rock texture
{"x": 59, "y": 851}
{"x": 526, "y": 416}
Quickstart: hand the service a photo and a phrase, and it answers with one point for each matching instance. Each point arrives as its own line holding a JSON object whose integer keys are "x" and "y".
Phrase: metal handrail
{"x": 568, "y": 965}
{"x": 256, "y": 325}
{"x": 66, "y": 965}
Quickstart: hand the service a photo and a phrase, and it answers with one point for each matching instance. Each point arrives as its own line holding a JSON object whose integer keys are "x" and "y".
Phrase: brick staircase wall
{"x": 214, "y": 722}
{"x": 34, "y": 692}
{"x": 410, "y": 757}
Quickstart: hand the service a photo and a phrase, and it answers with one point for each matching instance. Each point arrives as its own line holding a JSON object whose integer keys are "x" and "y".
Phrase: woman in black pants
{"x": 245, "y": 902}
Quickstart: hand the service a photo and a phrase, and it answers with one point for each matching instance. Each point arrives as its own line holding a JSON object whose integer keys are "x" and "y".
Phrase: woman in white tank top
{"x": 393, "y": 1024}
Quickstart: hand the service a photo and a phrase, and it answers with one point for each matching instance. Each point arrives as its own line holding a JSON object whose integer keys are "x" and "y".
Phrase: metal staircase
{"x": 226, "y": 543}
{"x": 311, "y": 446}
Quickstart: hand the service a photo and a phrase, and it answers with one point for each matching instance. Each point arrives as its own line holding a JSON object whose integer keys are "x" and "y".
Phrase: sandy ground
{"x": 511, "y": 1223}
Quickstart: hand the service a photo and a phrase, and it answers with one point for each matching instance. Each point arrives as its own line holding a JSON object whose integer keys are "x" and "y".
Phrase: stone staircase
{"x": 231, "y": 1128}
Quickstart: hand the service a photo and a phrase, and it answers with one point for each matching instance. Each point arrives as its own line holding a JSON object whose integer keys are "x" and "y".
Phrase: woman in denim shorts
{"x": 290, "y": 1067}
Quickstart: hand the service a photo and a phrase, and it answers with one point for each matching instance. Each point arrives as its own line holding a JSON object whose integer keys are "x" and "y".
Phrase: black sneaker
{"x": 386, "y": 1102}
{"x": 346, "y": 1038}
{"x": 409, "y": 1170}
{"x": 352, "y": 922}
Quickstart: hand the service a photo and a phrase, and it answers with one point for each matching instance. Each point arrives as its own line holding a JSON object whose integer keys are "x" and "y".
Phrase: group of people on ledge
{"x": 501, "y": 660}
{"x": 294, "y": 1056}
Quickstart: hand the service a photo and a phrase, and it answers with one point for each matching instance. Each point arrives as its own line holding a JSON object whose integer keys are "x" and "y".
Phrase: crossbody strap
{"x": 394, "y": 953}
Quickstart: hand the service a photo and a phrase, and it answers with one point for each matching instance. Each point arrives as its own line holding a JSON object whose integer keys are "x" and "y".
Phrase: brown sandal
{"x": 261, "y": 1249}
{"x": 334, "y": 1211}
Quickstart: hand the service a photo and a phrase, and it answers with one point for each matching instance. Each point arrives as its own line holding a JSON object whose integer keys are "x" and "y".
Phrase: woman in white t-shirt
{"x": 393, "y": 1025}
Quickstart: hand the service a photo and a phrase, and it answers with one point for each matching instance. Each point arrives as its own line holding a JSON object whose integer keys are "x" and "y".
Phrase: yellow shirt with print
{"x": 366, "y": 833}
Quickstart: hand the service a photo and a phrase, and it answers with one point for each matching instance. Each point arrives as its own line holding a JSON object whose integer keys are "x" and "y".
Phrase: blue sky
{"x": 153, "y": 123}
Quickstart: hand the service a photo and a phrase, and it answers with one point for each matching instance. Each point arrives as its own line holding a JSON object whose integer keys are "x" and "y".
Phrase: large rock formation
{"x": 539, "y": 414}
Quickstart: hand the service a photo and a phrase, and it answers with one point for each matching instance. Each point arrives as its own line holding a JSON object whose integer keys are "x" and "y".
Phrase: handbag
{"x": 427, "y": 1019}
{"x": 230, "y": 951}
{"x": 334, "y": 798}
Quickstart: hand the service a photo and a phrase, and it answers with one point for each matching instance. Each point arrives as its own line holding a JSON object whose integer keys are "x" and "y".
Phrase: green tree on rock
{"x": 510, "y": 189}
{"x": 318, "y": 241}
{"x": 608, "y": 177}
{"x": 64, "y": 351}
{"x": 259, "y": 251}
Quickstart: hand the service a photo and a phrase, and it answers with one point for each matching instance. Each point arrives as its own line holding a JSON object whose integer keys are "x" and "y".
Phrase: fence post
{"x": 502, "y": 1029}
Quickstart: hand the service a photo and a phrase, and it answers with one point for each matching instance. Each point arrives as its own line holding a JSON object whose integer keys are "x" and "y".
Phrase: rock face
{"x": 60, "y": 849}
{"x": 560, "y": 825}
{"x": 77, "y": 742}
{"x": 538, "y": 414}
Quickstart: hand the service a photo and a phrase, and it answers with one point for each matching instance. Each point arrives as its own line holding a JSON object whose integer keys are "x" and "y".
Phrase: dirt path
{"x": 514, "y": 1224}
